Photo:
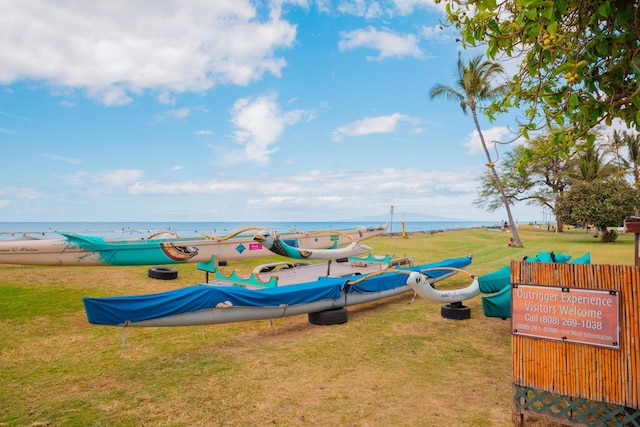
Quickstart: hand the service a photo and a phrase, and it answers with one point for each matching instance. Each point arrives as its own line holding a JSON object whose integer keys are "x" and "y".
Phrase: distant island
{"x": 408, "y": 216}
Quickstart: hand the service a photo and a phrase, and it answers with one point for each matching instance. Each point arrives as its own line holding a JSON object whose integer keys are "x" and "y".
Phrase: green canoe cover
{"x": 584, "y": 259}
{"x": 498, "y": 305}
{"x": 494, "y": 282}
{"x": 548, "y": 257}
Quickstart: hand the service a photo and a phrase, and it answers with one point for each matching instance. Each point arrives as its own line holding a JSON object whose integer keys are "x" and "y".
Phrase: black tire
{"x": 163, "y": 273}
{"x": 455, "y": 311}
{"x": 329, "y": 317}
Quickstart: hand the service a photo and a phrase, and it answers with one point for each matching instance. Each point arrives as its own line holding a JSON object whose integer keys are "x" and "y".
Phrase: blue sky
{"x": 199, "y": 110}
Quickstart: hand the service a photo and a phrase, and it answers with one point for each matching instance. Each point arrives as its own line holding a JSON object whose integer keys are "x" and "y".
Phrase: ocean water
{"x": 10, "y": 230}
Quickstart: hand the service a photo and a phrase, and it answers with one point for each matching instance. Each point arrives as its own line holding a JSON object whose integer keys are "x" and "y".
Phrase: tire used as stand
{"x": 455, "y": 311}
{"x": 163, "y": 273}
{"x": 329, "y": 317}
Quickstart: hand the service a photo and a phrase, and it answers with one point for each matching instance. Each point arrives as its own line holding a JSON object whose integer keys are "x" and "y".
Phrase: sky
{"x": 230, "y": 110}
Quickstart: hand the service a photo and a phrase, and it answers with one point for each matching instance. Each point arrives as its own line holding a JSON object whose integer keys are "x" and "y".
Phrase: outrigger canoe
{"x": 85, "y": 250}
{"x": 236, "y": 300}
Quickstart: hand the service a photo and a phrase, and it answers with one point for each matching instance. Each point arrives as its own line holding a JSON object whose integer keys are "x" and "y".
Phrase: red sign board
{"x": 585, "y": 316}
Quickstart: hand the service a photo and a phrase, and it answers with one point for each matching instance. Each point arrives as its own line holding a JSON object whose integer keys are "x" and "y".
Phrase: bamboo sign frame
{"x": 603, "y": 374}
{"x": 567, "y": 314}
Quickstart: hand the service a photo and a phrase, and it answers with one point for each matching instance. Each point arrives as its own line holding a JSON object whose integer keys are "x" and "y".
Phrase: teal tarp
{"x": 496, "y": 281}
{"x": 498, "y": 305}
{"x": 584, "y": 259}
{"x": 550, "y": 257}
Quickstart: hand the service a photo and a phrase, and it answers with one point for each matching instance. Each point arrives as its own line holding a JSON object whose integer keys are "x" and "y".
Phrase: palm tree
{"x": 591, "y": 165}
{"x": 630, "y": 141}
{"x": 474, "y": 84}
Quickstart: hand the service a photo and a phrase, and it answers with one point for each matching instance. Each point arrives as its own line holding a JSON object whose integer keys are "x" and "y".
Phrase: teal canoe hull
{"x": 82, "y": 250}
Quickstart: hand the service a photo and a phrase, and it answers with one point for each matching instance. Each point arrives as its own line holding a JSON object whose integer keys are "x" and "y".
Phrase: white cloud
{"x": 119, "y": 178}
{"x": 77, "y": 179}
{"x": 13, "y": 116}
{"x": 363, "y": 9}
{"x": 388, "y": 43}
{"x": 4, "y": 203}
{"x": 411, "y": 182}
{"x": 114, "y": 178}
{"x": 166, "y": 98}
{"x": 178, "y": 113}
{"x": 111, "y": 96}
{"x": 116, "y": 49}
{"x": 497, "y": 133}
{"x": 259, "y": 123}
{"x": 371, "y": 125}
{"x": 183, "y": 187}
{"x": 510, "y": 66}
{"x": 445, "y": 193}
{"x": 69, "y": 160}
{"x": 380, "y": 9}
{"x": 20, "y": 192}
{"x": 406, "y": 7}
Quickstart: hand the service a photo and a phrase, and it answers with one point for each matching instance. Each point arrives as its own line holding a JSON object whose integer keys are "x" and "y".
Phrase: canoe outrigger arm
{"x": 422, "y": 285}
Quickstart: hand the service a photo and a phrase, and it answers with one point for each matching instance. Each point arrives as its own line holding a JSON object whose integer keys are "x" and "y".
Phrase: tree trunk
{"x": 512, "y": 225}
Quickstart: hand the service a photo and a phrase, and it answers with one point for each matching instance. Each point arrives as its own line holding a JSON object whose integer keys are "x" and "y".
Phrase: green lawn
{"x": 395, "y": 362}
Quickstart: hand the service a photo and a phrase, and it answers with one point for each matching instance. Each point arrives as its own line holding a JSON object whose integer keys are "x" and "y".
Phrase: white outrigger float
{"x": 84, "y": 250}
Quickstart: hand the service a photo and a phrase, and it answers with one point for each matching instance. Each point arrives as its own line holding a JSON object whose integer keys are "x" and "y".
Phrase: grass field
{"x": 395, "y": 362}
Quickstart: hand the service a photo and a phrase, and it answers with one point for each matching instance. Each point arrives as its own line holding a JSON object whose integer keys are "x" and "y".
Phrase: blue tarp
{"x": 390, "y": 281}
{"x": 117, "y": 310}
{"x": 449, "y": 262}
{"x": 394, "y": 281}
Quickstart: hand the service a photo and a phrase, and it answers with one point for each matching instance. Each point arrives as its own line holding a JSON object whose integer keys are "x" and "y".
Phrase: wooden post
{"x": 632, "y": 225}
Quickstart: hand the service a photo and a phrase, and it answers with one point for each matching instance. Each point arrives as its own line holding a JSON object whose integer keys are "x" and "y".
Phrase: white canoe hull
{"x": 89, "y": 250}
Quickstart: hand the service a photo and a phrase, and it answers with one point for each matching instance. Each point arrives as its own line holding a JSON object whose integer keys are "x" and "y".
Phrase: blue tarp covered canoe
{"x": 210, "y": 304}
